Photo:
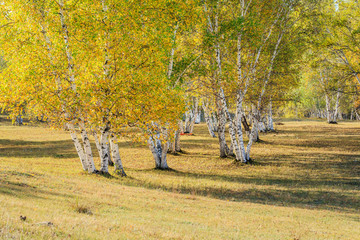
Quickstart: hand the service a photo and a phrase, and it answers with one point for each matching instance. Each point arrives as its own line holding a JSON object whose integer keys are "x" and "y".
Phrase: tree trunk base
{"x": 111, "y": 163}
{"x": 164, "y": 169}
{"x": 177, "y": 153}
{"x": 105, "y": 174}
{"x": 121, "y": 173}
{"x": 250, "y": 161}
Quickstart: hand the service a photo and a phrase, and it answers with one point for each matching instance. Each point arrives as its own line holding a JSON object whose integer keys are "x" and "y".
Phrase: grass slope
{"x": 304, "y": 185}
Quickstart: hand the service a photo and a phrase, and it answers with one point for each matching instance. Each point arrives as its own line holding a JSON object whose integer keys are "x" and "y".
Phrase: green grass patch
{"x": 304, "y": 185}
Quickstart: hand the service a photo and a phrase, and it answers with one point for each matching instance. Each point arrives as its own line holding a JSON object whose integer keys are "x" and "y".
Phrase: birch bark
{"x": 104, "y": 150}
{"x": 154, "y": 151}
{"x": 119, "y": 169}
{"x": 78, "y": 146}
{"x": 87, "y": 147}
{"x": 208, "y": 120}
{"x": 328, "y": 110}
{"x": 270, "y": 118}
{"x": 232, "y": 132}
{"x": 337, "y": 103}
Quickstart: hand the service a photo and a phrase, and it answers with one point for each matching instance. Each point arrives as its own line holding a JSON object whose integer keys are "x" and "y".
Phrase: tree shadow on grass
{"x": 33, "y": 149}
{"x": 300, "y": 190}
{"x": 293, "y": 196}
{"x": 23, "y": 190}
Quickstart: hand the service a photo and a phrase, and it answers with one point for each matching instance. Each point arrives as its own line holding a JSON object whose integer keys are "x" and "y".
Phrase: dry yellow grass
{"x": 303, "y": 185}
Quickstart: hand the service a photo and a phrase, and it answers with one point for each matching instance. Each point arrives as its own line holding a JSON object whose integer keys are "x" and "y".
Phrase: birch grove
{"x": 103, "y": 70}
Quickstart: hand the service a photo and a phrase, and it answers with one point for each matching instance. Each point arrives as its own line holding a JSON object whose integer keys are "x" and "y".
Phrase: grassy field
{"x": 305, "y": 184}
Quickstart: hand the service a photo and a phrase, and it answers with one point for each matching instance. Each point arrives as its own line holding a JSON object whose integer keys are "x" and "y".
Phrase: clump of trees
{"x": 102, "y": 68}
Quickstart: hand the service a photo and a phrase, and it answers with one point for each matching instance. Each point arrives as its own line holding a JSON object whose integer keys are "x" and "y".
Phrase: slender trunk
{"x": 177, "y": 141}
{"x": 195, "y": 113}
{"x": 177, "y": 137}
{"x": 245, "y": 125}
{"x": 159, "y": 150}
{"x": 261, "y": 126}
{"x": 165, "y": 148}
{"x": 232, "y": 130}
{"x": 328, "y": 110}
{"x": 255, "y": 124}
{"x": 172, "y": 147}
{"x": 171, "y": 62}
{"x": 119, "y": 169}
{"x": 97, "y": 143}
{"x": 230, "y": 151}
{"x": 104, "y": 150}
{"x": 198, "y": 118}
{"x": 208, "y": 121}
{"x": 181, "y": 126}
{"x": 215, "y": 122}
{"x": 87, "y": 147}
{"x": 192, "y": 123}
{"x": 253, "y": 137}
{"x": 154, "y": 151}
{"x": 270, "y": 118}
{"x": 71, "y": 80}
{"x": 176, "y": 145}
{"x": 187, "y": 121}
{"x": 239, "y": 120}
{"x": 78, "y": 146}
{"x": 221, "y": 129}
{"x": 337, "y": 106}
{"x": 110, "y": 162}
{"x": 67, "y": 47}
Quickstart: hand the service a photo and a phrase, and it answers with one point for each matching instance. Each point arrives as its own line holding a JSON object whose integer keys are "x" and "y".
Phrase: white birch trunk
{"x": 97, "y": 143}
{"x": 171, "y": 62}
{"x": 181, "y": 126}
{"x": 187, "y": 122}
{"x": 336, "y": 111}
{"x": 111, "y": 163}
{"x": 176, "y": 146}
{"x": 262, "y": 127}
{"x": 195, "y": 113}
{"x": 221, "y": 129}
{"x": 104, "y": 150}
{"x": 215, "y": 121}
{"x": 78, "y": 146}
{"x": 71, "y": 79}
{"x": 270, "y": 118}
{"x": 159, "y": 150}
{"x": 208, "y": 121}
{"x": 177, "y": 137}
{"x": 232, "y": 130}
{"x": 87, "y": 147}
{"x": 198, "y": 118}
{"x": 165, "y": 149}
{"x": 328, "y": 110}
{"x": 85, "y": 159}
{"x": 253, "y": 137}
{"x": 154, "y": 151}
{"x": 119, "y": 169}
{"x": 239, "y": 116}
{"x": 67, "y": 46}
